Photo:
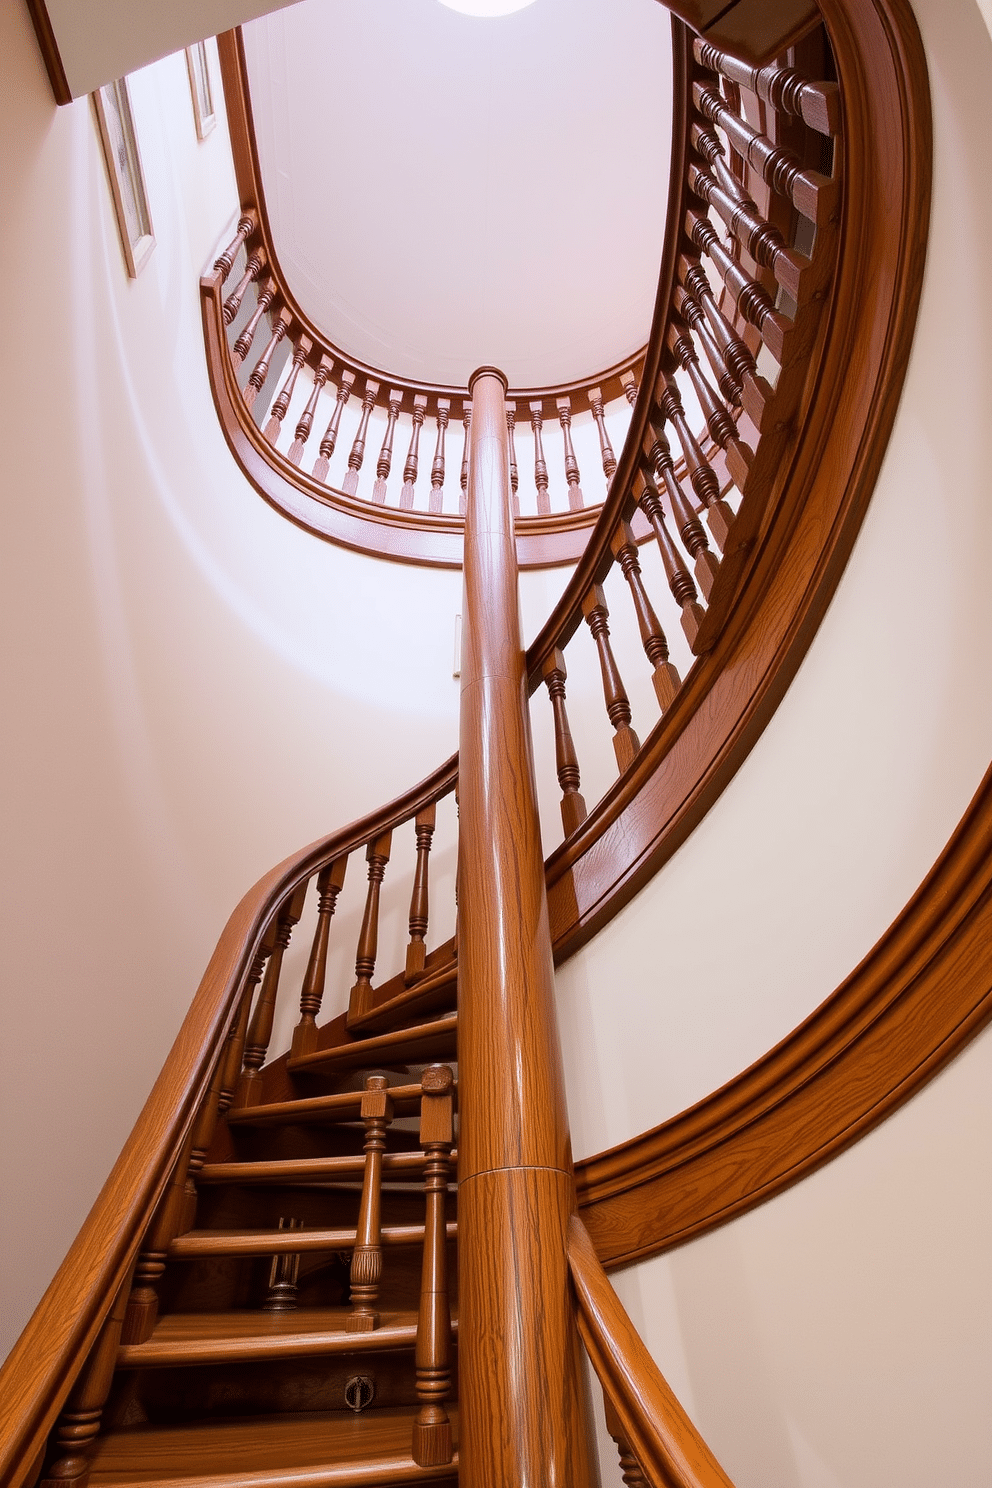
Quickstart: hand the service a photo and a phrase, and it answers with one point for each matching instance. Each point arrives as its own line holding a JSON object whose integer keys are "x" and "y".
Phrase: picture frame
{"x": 112, "y": 104}
{"x": 201, "y": 89}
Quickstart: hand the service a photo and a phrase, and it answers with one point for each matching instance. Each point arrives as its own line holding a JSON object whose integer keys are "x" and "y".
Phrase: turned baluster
{"x": 384, "y": 463}
{"x": 416, "y": 951}
{"x": 722, "y": 429}
{"x": 573, "y": 806}
{"x": 330, "y": 882}
{"x": 511, "y": 429}
{"x": 254, "y": 266}
{"x": 357, "y": 455}
{"x": 701, "y": 473}
{"x": 235, "y": 1049}
{"x": 413, "y": 453}
{"x": 432, "y": 1429}
{"x": 810, "y": 192}
{"x": 664, "y": 676}
{"x": 281, "y": 403}
{"x": 706, "y": 142}
{"x": 595, "y": 396}
{"x": 79, "y": 1422}
{"x": 261, "y": 370}
{"x": 629, "y": 384}
{"x": 733, "y": 353}
{"x": 466, "y": 445}
{"x": 762, "y": 241}
{"x": 576, "y": 500}
{"x": 203, "y": 1133}
{"x": 436, "y": 501}
{"x": 377, "y": 856}
{"x": 540, "y": 465}
{"x": 366, "y": 1258}
{"x": 690, "y": 528}
{"x": 747, "y": 294}
{"x": 625, "y": 741}
{"x": 680, "y": 580}
{"x": 630, "y": 1472}
{"x": 225, "y": 263}
{"x": 260, "y": 1031}
{"x": 167, "y": 1222}
{"x": 817, "y": 104}
{"x": 242, "y": 345}
{"x": 305, "y": 425}
{"x": 283, "y": 1275}
{"x": 330, "y": 438}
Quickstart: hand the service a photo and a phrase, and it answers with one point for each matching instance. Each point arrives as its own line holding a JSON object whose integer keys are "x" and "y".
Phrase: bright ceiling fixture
{"x": 487, "y": 7}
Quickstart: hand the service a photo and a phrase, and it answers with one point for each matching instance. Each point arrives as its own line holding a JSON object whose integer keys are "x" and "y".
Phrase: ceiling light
{"x": 487, "y": 7}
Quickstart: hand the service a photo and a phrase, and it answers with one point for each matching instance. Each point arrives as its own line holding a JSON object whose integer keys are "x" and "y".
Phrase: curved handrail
{"x": 666, "y": 1446}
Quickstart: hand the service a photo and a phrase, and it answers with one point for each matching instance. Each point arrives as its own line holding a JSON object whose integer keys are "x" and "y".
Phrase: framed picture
{"x": 199, "y": 86}
{"x": 127, "y": 183}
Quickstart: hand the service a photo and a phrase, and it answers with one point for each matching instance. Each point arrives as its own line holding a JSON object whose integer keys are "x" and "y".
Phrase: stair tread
{"x": 215, "y": 1337}
{"x": 290, "y": 1242}
{"x": 308, "y": 1169}
{"x": 325, "y": 1451}
{"x": 427, "y": 992}
{"x": 420, "y": 1038}
{"x": 320, "y": 1107}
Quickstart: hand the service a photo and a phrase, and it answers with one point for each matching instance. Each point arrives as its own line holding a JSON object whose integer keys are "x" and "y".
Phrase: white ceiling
{"x": 446, "y": 191}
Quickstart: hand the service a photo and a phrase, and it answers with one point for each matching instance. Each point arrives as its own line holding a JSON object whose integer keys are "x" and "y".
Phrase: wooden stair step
{"x": 340, "y": 1450}
{"x": 228, "y": 1337}
{"x": 310, "y": 1169}
{"x": 438, "y": 989}
{"x": 322, "y": 1108}
{"x": 410, "y": 1045}
{"x": 290, "y": 1242}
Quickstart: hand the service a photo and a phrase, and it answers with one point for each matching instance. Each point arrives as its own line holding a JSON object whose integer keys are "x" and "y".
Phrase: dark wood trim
{"x": 49, "y": 47}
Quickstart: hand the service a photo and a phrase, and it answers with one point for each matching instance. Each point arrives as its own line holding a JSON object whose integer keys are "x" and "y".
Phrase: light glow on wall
{"x": 487, "y": 8}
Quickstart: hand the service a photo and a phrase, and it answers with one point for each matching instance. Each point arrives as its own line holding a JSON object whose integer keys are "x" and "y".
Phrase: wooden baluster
{"x": 242, "y": 345}
{"x": 416, "y": 951}
{"x": 810, "y": 193}
{"x": 706, "y": 142}
{"x": 235, "y": 1049}
{"x": 629, "y": 384}
{"x": 817, "y": 104}
{"x": 679, "y": 578}
{"x": 436, "y": 502}
{"x": 573, "y": 806}
{"x": 664, "y": 676}
{"x": 281, "y": 403}
{"x": 260, "y": 1031}
{"x": 225, "y": 263}
{"x": 576, "y": 500}
{"x": 305, "y": 425}
{"x": 540, "y": 464}
{"x": 705, "y": 563}
{"x": 79, "y": 1422}
{"x": 747, "y": 294}
{"x": 722, "y": 429}
{"x": 432, "y": 1429}
{"x": 330, "y": 882}
{"x": 203, "y": 1133}
{"x": 384, "y": 463}
{"x": 625, "y": 741}
{"x": 330, "y": 438}
{"x": 757, "y": 236}
{"x": 630, "y": 1472}
{"x": 413, "y": 453}
{"x": 595, "y": 396}
{"x": 366, "y": 1258}
{"x": 730, "y": 386}
{"x": 283, "y": 1275}
{"x": 167, "y": 1222}
{"x": 466, "y": 448}
{"x": 754, "y": 391}
{"x": 261, "y": 370}
{"x": 511, "y": 429}
{"x": 357, "y": 455}
{"x": 701, "y": 473}
{"x": 233, "y": 303}
{"x": 377, "y": 856}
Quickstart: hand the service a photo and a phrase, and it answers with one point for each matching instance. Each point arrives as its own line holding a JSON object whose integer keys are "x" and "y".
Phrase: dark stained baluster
{"x": 377, "y": 856}
{"x": 432, "y": 1429}
{"x": 357, "y": 455}
{"x": 629, "y": 384}
{"x": 734, "y": 354}
{"x": 762, "y": 241}
{"x": 225, "y": 263}
{"x": 366, "y": 1258}
{"x": 281, "y": 403}
{"x": 595, "y": 396}
{"x": 324, "y": 369}
{"x": 817, "y": 104}
{"x": 330, "y": 439}
{"x": 630, "y": 1472}
{"x": 253, "y": 268}
{"x": 540, "y": 464}
{"x": 466, "y": 445}
{"x": 283, "y": 1275}
{"x": 416, "y": 951}
{"x": 330, "y": 882}
{"x": 625, "y": 741}
{"x": 573, "y": 807}
{"x": 260, "y": 1031}
{"x": 436, "y": 501}
{"x": 680, "y": 580}
{"x": 79, "y": 1422}
{"x": 706, "y": 142}
{"x": 701, "y": 473}
{"x": 413, "y": 453}
{"x": 576, "y": 500}
{"x": 261, "y": 369}
{"x": 811, "y": 193}
{"x": 747, "y": 294}
{"x": 705, "y": 563}
{"x": 722, "y": 430}
{"x": 664, "y": 676}
{"x": 384, "y": 463}
{"x": 511, "y": 429}
{"x": 242, "y": 345}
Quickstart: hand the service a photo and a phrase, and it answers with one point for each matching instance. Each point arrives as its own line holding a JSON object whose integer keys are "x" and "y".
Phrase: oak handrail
{"x": 669, "y": 1450}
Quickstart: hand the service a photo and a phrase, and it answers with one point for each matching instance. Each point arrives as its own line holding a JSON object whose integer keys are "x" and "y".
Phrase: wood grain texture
{"x": 49, "y": 48}
{"x": 215, "y": 1338}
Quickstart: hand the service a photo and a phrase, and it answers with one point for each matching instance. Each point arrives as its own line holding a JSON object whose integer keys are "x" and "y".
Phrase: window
{"x": 199, "y": 86}
{"x": 127, "y": 184}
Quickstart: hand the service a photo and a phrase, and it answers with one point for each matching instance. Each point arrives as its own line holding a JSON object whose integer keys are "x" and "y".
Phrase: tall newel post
{"x": 521, "y": 1387}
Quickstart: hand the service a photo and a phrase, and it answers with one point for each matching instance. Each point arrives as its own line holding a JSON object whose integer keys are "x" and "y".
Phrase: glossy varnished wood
{"x": 215, "y": 1338}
